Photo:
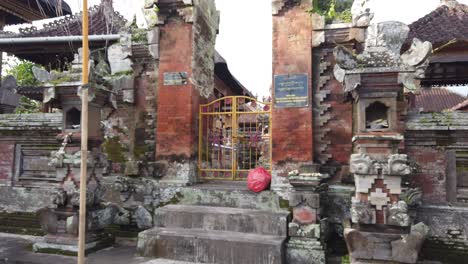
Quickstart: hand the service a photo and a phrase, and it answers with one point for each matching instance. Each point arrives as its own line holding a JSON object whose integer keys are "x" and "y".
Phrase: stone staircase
{"x": 220, "y": 223}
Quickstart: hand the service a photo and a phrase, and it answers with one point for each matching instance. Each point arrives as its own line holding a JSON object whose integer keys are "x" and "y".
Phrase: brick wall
{"x": 431, "y": 176}
{"x": 177, "y": 105}
{"x": 292, "y": 54}
{"x": 7, "y": 158}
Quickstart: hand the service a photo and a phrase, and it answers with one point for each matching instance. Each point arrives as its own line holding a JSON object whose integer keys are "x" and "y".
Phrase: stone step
{"x": 221, "y": 247}
{"x": 232, "y": 194}
{"x": 223, "y": 219}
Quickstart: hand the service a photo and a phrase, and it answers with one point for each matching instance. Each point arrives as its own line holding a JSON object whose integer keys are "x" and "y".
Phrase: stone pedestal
{"x": 305, "y": 231}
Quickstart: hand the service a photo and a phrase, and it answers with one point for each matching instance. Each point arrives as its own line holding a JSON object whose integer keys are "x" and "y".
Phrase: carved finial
{"x": 449, "y": 3}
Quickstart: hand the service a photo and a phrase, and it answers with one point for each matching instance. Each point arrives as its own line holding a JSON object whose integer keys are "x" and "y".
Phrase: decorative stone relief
{"x": 382, "y": 53}
{"x": 418, "y": 53}
{"x": 398, "y": 214}
{"x": 398, "y": 165}
{"x": 379, "y": 198}
{"x": 362, "y": 213}
{"x": 361, "y": 164}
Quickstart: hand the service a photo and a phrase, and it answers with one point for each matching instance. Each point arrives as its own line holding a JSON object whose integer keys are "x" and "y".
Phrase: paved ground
{"x": 15, "y": 249}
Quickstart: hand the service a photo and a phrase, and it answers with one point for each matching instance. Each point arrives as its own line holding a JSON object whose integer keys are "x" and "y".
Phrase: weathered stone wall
{"x": 448, "y": 240}
{"x": 7, "y": 152}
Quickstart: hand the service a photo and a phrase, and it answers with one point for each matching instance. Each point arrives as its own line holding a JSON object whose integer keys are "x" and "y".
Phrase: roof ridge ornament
{"x": 449, "y": 3}
{"x": 361, "y": 13}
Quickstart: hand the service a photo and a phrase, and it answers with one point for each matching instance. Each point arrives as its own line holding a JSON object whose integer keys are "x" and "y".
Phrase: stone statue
{"x": 361, "y": 13}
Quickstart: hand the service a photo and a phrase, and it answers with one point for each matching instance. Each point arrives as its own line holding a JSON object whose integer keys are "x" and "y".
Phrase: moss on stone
{"x": 61, "y": 80}
{"x": 283, "y": 203}
{"x": 139, "y": 35}
{"x": 122, "y": 73}
{"x": 139, "y": 151}
{"x": 114, "y": 149}
{"x": 174, "y": 200}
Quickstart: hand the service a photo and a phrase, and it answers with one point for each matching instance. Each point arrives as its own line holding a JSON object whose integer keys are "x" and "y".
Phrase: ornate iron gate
{"x": 234, "y": 137}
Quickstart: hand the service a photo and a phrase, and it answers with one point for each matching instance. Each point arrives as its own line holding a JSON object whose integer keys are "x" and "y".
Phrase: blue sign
{"x": 291, "y": 90}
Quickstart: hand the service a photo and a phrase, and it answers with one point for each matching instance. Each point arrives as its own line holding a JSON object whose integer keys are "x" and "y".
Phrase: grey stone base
{"x": 70, "y": 250}
{"x": 304, "y": 251}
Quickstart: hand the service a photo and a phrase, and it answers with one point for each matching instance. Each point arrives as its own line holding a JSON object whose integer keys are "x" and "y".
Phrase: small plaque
{"x": 291, "y": 90}
{"x": 175, "y": 78}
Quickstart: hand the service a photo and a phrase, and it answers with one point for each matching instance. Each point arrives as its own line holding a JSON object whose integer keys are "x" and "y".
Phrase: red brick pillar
{"x": 186, "y": 78}
{"x": 292, "y": 55}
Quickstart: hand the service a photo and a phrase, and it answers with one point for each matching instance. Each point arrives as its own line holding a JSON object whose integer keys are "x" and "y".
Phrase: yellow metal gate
{"x": 234, "y": 137}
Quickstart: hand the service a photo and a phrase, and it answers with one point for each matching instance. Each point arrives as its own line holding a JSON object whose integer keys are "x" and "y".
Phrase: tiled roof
{"x": 437, "y": 100}
{"x": 21, "y": 11}
{"x": 99, "y": 24}
{"x": 31, "y": 122}
{"x": 461, "y": 106}
{"x": 441, "y": 25}
{"x": 447, "y": 121}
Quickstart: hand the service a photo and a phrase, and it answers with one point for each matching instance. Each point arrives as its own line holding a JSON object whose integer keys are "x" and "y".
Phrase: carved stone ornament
{"x": 383, "y": 45}
{"x": 417, "y": 53}
{"x": 379, "y": 198}
{"x": 361, "y": 13}
{"x": 398, "y": 165}
{"x": 362, "y": 213}
{"x": 361, "y": 164}
{"x": 398, "y": 214}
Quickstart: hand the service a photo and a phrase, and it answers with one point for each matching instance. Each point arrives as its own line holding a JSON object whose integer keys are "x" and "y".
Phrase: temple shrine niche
{"x": 381, "y": 228}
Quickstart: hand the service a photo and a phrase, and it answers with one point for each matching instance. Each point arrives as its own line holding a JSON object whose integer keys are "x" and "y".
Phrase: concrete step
{"x": 223, "y": 219}
{"x": 232, "y": 194}
{"x": 221, "y": 247}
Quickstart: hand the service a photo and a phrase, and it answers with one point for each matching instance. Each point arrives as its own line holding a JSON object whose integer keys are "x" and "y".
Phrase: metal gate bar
{"x": 234, "y": 137}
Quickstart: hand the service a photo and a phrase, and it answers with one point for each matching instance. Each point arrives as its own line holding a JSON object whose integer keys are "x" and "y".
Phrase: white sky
{"x": 245, "y": 39}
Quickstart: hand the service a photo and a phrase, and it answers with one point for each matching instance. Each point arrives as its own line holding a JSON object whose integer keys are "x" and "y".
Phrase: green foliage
{"x": 345, "y": 260}
{"x": 22, "y": 71}
{"x": 28, "y": 106}
{"x": 333, "y": 10}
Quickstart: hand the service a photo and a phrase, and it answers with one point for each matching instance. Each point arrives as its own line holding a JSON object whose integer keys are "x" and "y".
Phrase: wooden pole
{"x": 84, "y": 138}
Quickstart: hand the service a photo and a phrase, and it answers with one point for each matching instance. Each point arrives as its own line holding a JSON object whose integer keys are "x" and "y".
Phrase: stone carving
{"x": 398, "y": 165}
{"x": 362, "y": 213}
{"x": 406, "y": 250}
{"x": 339, "y": 73}
{"x": 345, "y": 58}
{"x": 361, "y": 164}
{"x": 398, "y": 214}
{"x": 417, "y": 53}
{"x": 41, "y": 75}
{"x": 361, "y": 13}
{"x": 379, "y": 198}
{"x": 382, "y": 52}
{"x": 119, "y": 55}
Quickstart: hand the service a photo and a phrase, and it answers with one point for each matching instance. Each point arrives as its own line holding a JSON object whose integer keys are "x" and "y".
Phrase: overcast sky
{"x": 245, "y": 32}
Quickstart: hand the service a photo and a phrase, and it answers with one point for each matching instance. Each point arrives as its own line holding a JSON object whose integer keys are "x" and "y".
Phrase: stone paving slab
{"x": 16, "y": 249}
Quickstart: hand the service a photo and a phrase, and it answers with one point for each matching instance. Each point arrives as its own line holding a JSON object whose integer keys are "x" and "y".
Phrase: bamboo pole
{"x": 84, "y": 138}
